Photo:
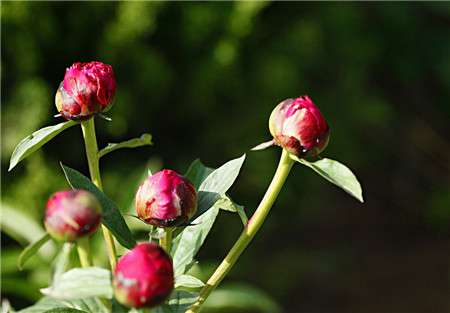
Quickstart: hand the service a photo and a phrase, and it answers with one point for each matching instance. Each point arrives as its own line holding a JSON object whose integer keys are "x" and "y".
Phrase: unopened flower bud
{"x": 87, "y": 89}
{"x": 72, "y": 214}
{"x": 298, "y": 126}
{"x": 166, "y": 199}
{"x": 144, "y": 276}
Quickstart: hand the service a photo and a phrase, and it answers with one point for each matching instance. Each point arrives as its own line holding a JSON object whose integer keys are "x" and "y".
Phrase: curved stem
{"x": 166, "y": 240}
{"x": 249, "y": 231}
{"x": 90, "y": 142}
{"x": 83, "y": 251}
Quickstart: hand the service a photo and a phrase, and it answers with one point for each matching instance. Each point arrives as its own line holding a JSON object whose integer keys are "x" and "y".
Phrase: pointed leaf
{"x": 190, "y": 240}
{"x": 226, "y": 204}
{"x": 111, "y": 217}
{"x": 188, "y": 281}
{"x": 144, "y": 140}
{"x": 31, "y": 250}
{"x": 336, "y": 173}
{"x": 90, "y": 305}
{"x": 263, "y": 145}
{"x": 197, "y": 173}
{"x": 33, "y": 142}
{"x": 81, "y": 283}
{"x": 181, "y": 300}
{"x": 217, "y": 183}
{"x": 64, "y": 310}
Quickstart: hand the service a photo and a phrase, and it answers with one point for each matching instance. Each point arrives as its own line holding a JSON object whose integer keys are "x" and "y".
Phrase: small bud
{"x": 87, "y": 89}
{"x": 72, "y": 214}
{"x": 166, "y": 199}
{"x": 298, "y": 126}
{"x": 143, "y": 276}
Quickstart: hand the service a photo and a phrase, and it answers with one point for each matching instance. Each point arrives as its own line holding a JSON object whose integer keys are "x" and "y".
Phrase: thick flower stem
{"x": 90, "y": 141}
{"x": 83, "y": 251}
{"x": 249, "y": 231}
{"x": 166, "y": 240}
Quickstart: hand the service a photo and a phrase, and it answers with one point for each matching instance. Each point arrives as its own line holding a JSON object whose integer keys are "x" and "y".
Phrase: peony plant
{"x": 179, "y": 210}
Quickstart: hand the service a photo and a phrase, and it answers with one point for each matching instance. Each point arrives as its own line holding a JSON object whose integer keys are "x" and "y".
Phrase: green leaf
{"x": 226, "y": 204}
{"x": 336, "y": 173}
{"x": 217, "y": 183}
{"x": 81, "y": 283}
{"x": 23, "y": 228}
{"x": 180, "y": 301}
{"x": 89, "y": 305}
{"x": 31, "y": 250}
{"x": 144, "y": 140}
{"x": 64, "y": 310}
{"x": 111, "y": 216}
{"x": 240, "y": 298}
{"x": 188, "y": 281}
{"x": 62, "y": 261}
{"x": 33, "y": 142}
{"x": 189, "y": 241}
{"x": 197, "y": 173}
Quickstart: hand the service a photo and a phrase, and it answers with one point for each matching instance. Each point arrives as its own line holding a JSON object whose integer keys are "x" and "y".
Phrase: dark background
{"x": 202, "y": 78}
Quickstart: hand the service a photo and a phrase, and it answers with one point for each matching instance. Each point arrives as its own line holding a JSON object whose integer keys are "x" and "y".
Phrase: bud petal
{"x": 166, "y": 199}
{"x": 72, "y": 214}
{"x": 298, "y": 126}
{"x": 143, "y": 276}
{"x": 87, "y": 89}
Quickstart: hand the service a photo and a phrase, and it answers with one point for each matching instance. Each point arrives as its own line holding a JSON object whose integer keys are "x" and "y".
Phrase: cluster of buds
{"x": 87, "y": 89}
{"x": 144, "y": 276}
{"x": 72, "y": 214}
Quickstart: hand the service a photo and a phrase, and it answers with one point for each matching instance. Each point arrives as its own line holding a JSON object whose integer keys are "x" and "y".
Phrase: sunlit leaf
{"x": 89, "y": 305}
{"x": 31, "y": 250}
{"x": 188, "y": 281}
{"x": 81, "y": 283}
{"x": 336, "y": 173}
{"x": 189, "y": 241}
{"x": 33, "y": 142}
{"x": 144, "y": 140}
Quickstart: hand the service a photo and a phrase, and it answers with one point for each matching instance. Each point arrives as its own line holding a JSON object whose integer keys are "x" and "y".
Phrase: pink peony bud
{"x": 72, "y": 214}
{"x": 166, "y": 199}
{"x": 298, "y": 126}
{"x": 143, "y": 276}
{"x": 87, "y": 89}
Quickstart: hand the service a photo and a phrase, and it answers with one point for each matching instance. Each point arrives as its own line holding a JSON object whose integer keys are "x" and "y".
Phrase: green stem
{"x": 90, "y": 142}
{"x": 83, "y": 251}
{"x": 249, "y": 231}
{"x": 166, "y": 240}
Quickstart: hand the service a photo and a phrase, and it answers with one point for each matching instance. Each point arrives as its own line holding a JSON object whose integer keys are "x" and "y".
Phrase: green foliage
{"x": 35, "y": 141}
{"x": 80, "y": 283}
{"x": 212, "y": 187}
{"x": 90, "y": 305}
{"x": 111, "y": 216}
{"x": 336, "y": 173}
{"x": 144, "y": 140}
{"x": 31, "y": 250}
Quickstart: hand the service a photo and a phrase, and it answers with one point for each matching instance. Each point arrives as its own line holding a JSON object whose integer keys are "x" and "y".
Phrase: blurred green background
{"x": 203, "y": 79}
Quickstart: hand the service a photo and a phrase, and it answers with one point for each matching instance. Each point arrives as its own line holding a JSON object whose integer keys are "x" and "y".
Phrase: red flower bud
{"x": 72, "y": 214}
{"x": 87, "y": 89}
{"x": 166, "y": 199}
{"x": 143, "y": 276}
{"x": 298, "y": 126}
